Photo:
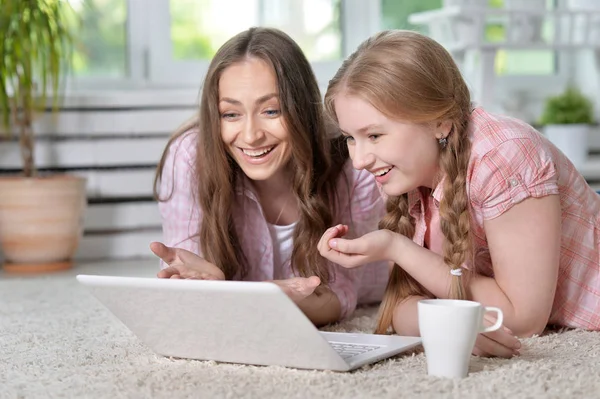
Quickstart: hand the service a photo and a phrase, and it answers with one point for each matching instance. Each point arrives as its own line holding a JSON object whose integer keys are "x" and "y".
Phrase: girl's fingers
{"x": 346, "y": 246}
{"x": 503, "y": 336}
{"x": 330, "y": 233}
{"x": 343, "y": 230}
{"x": 505, "y": 339}
{"x": 333, "y": 231}
{"x": 347, "y": 261}
{"x": 489, "y": 347}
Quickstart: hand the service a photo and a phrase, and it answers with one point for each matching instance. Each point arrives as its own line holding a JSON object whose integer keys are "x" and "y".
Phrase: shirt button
{"x": 513, "y": 182}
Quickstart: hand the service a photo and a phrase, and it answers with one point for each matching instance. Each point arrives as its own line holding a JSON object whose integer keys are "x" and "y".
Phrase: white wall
{"x": 115, "y": 140}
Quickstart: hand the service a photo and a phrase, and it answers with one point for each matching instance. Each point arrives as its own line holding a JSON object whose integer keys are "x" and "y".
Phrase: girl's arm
{"x": 497, "y": 343}
{"x": 405, "y": 320}
{"x": 524, "y": 245}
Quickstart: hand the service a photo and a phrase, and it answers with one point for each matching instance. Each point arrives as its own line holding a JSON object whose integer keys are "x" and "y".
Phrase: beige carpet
{"x": 57, "y": 341}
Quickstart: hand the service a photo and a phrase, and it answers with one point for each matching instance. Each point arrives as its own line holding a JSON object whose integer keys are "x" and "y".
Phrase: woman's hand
{"x": 371, "y": 247}
{"x": 499, "y": 343}
{"x": 298, "y": 288}
{"x": 185, "y": 264}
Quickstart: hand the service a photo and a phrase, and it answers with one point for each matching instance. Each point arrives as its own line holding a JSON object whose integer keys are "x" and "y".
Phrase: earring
{"x": 443, "y": 142}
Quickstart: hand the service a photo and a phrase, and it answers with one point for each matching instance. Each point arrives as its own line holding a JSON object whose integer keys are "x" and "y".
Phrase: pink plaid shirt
{"x": 510, "y": 162}
{"x": 361, "y": 208}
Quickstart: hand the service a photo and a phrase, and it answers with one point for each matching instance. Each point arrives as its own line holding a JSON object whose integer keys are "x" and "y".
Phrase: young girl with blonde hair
{"x": 248, "y": 186}
{"x": 479, "y": 207}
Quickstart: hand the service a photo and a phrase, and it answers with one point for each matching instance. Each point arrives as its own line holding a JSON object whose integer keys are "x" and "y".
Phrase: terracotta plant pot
{"x": 41, "y": 222}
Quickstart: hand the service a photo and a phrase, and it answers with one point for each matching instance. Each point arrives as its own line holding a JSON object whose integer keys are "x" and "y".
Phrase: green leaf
{"x": 35, "y": 51}
{"x": 570, "y": 107}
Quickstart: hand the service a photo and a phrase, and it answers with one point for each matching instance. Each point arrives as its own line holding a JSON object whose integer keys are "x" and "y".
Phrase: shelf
{"x": 462, "y": 31}
{"x": 461, "y": 28}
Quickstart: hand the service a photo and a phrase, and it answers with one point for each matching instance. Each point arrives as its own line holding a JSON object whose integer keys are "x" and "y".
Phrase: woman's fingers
{"x": 181, "y": 272}
{"x": 188, "y": 258}
{"x": 298, "y": 288}
{"x": 196, "y": 266}
{"x": 168, "y": 272}
{"x": 167, "y": 254}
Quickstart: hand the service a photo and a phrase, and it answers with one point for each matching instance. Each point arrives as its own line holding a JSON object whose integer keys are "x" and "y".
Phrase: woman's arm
{"x": 180, "y": 213}
{"x": 319, "y": 304}
{"x": 321, "y": 307}
{"x": 524, "y": 245}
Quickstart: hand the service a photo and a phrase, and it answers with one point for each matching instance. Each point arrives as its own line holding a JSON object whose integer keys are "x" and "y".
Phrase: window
{"x": 169, "y": 43}
{"x": 395, "y": 15}
{"x": 187, "y": 33}
{"x": 101, "y": 39}
{"x": 522, "y": 62}
{"x": 200, "y": 27}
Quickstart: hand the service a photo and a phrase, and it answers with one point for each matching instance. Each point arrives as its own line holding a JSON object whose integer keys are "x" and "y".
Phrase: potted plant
{"x": 40, "y": 215}
{"x": 567, "y": 118}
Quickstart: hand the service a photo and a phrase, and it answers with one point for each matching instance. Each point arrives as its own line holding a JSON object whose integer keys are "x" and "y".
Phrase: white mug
{"x": 448, "y": 330}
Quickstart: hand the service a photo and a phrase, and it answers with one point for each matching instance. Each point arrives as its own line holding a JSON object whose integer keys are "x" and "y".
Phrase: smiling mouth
{"x": 259, "y": 152}
{"x": 381, "y": 172}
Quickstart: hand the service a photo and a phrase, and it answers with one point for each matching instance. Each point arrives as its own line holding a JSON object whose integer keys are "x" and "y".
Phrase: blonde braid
{"x": 454, "y": 207}
{"x": 400, "y": 284}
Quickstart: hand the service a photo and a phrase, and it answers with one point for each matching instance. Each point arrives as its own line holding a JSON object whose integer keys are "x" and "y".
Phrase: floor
{"x": 144, "y": 267}
{"x": 57, "y": 341}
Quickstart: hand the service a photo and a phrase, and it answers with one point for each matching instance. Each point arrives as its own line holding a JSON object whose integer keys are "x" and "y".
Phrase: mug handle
{"x": 499, "y": 320}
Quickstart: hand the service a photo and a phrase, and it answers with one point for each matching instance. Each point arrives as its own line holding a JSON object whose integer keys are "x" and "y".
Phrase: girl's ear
{"x": 443, "y": 128}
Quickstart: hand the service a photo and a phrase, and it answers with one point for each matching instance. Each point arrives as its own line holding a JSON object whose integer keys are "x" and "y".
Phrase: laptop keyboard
{"x": 347, "y": 350}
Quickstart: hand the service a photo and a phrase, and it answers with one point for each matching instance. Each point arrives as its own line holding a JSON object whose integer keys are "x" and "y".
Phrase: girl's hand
{"x": 323, "y": 246}
{"x": 371, "y": 247}
{"x": 185, "y": 264}
{"x": 298, "y": 288}
{"x": 499, "y": 343}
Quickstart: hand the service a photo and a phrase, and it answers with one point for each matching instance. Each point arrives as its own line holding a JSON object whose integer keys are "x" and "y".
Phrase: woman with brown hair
{"x": 480, "y": 206}
{"x": 248, "y": 186}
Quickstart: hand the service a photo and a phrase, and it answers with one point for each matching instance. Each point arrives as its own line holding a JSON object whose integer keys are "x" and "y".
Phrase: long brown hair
{"x": 316, "y": 163}
{"x": 408, "y": 76}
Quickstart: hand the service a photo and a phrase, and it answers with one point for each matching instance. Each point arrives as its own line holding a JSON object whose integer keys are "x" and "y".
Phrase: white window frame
{"x": 137, "y": 45}
{"x": 538, "y": 87}
{"x": 151, "y": 66}
{"x": 165, "y": 71}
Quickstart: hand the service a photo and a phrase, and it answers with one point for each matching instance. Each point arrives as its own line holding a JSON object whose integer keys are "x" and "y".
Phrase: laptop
{"x": 234, "y": 322}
